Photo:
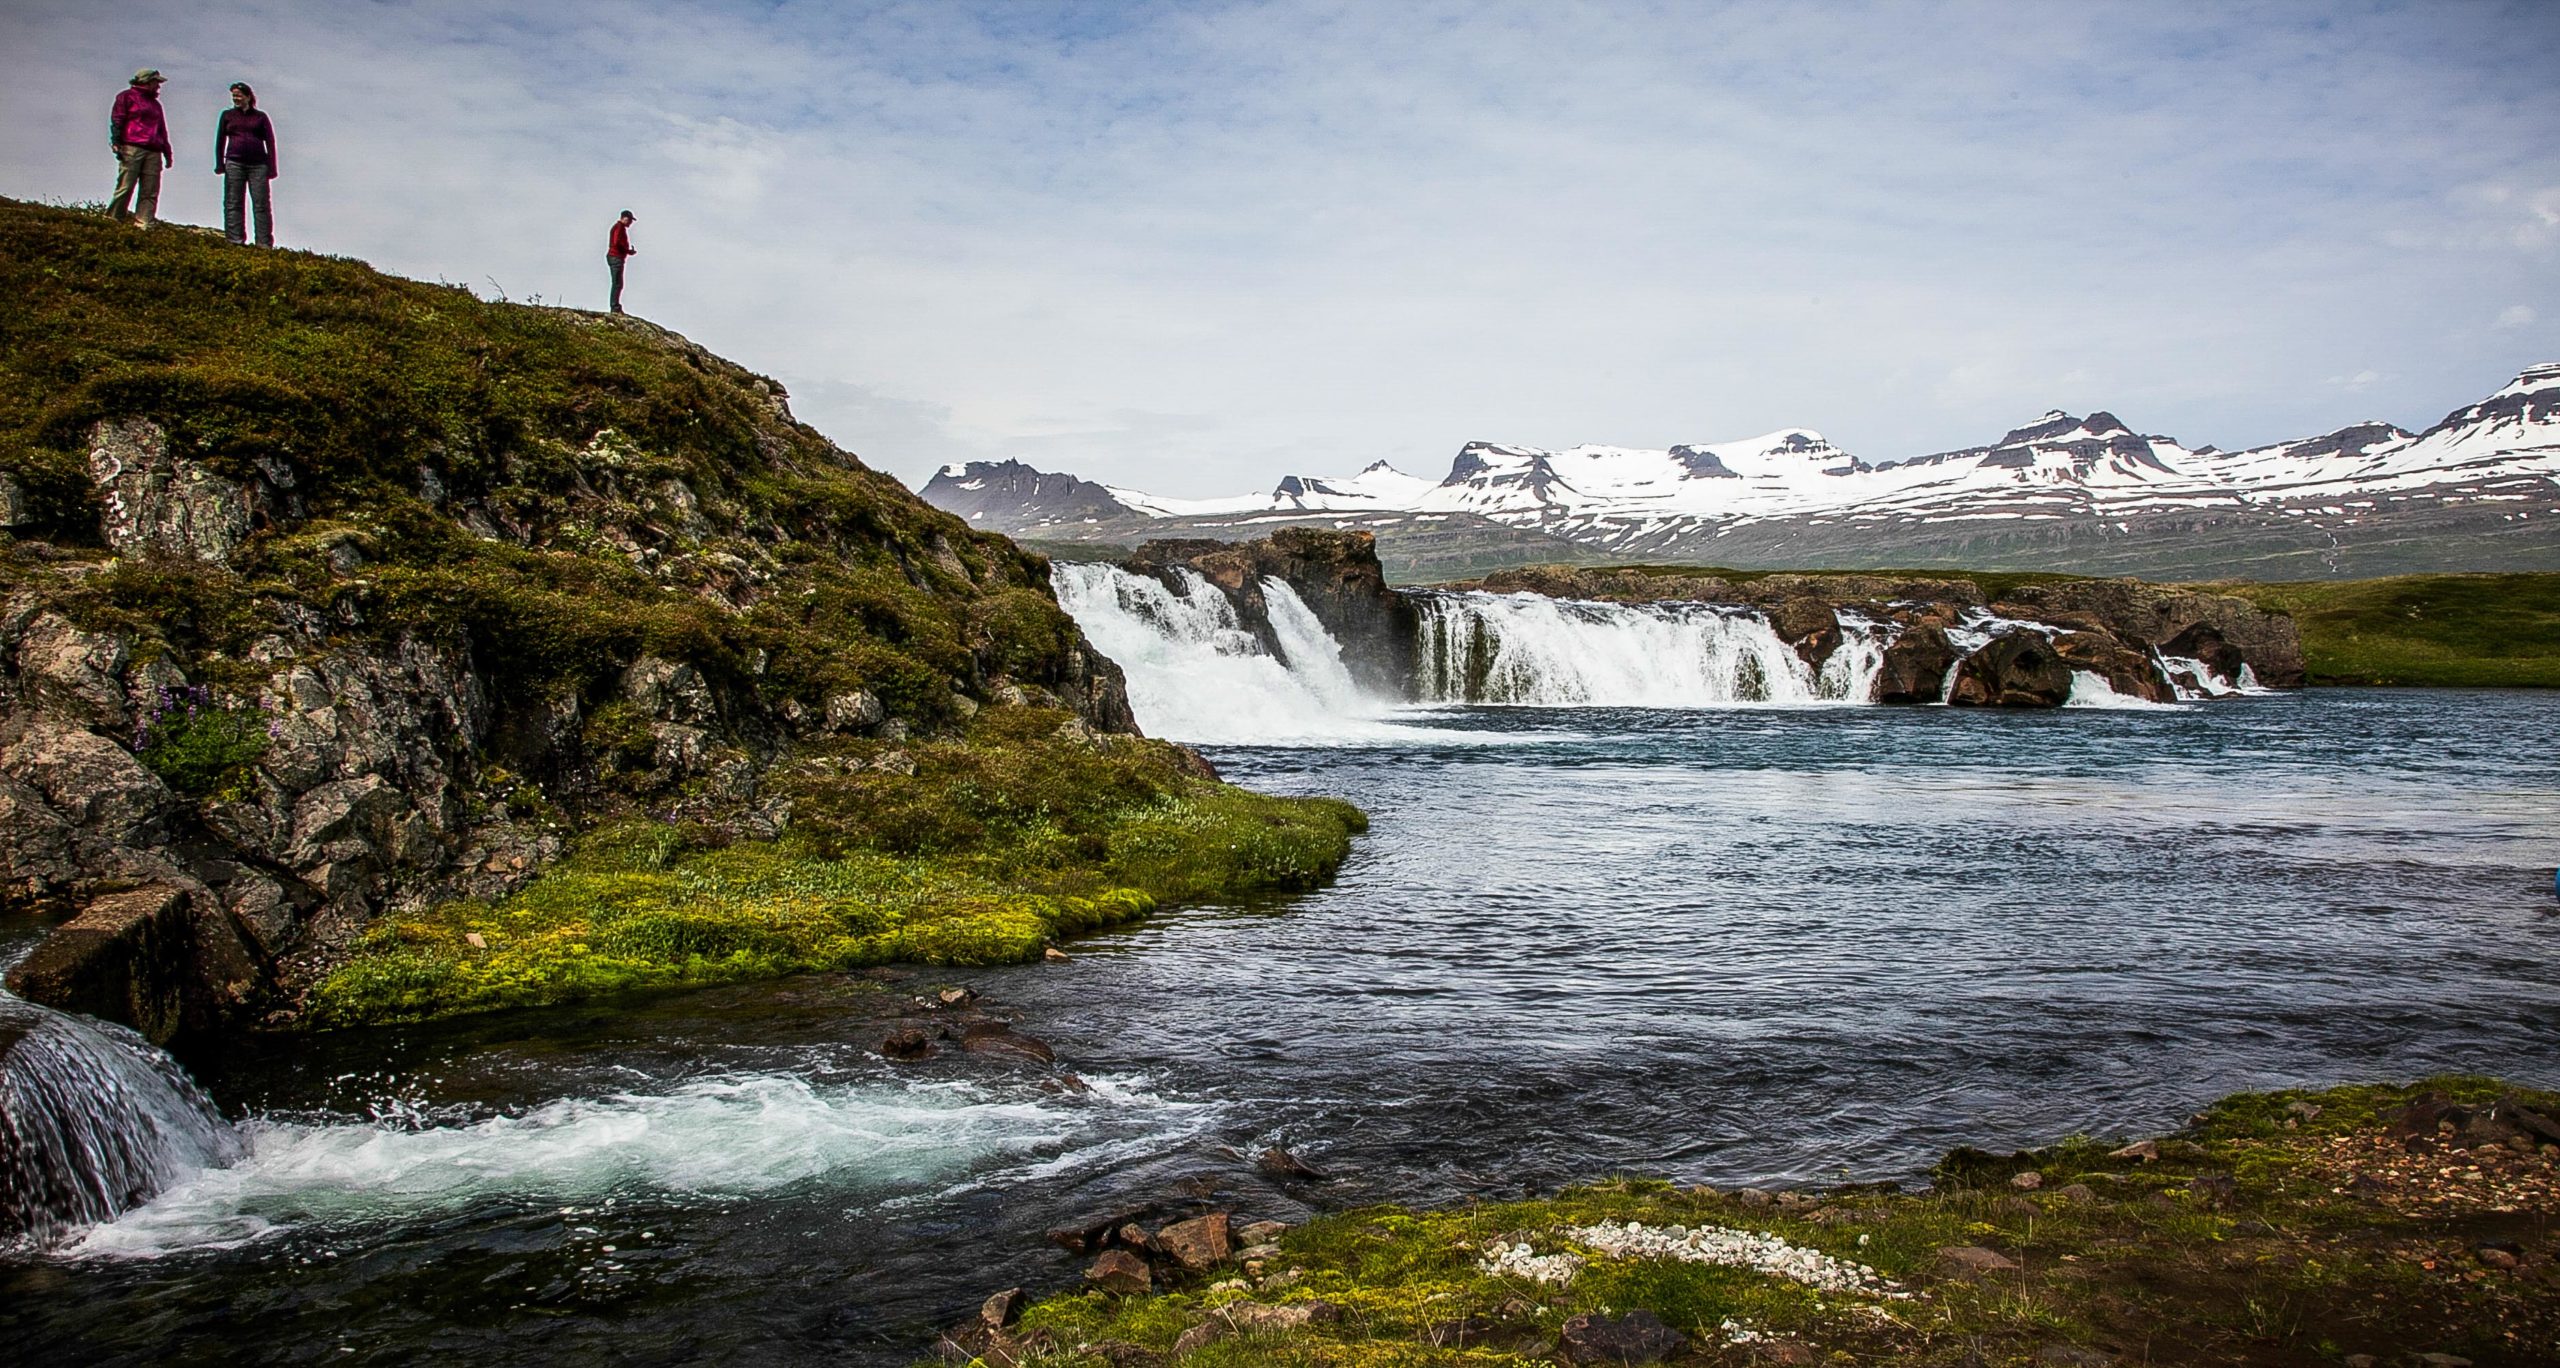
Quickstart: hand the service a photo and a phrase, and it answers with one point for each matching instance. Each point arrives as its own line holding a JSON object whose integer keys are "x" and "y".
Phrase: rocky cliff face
{"x": 1335, "y": 573}
{"x": 286, "y": 642}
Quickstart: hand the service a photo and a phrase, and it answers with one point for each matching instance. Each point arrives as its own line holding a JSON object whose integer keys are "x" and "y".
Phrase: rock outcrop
{"x": 1335, "y": 573}
{"x": 284, "y": 648}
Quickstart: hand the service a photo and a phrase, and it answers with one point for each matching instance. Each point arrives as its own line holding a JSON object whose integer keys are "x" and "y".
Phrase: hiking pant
{"x": 137, "y": 184}
{"x": 614, "y": 264}
{"x": 247, "y": 180}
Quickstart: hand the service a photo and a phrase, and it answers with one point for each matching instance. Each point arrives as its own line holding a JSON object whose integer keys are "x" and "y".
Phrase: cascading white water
{"x": 93, "y": 1120}
{"x": 1531, "y": 649}
{"x": 1196, "y": 674}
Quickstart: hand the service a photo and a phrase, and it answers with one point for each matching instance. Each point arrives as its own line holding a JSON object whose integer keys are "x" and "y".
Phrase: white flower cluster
{"x": 1735, "y": 1248}
{"x": 1502, "y": 1259}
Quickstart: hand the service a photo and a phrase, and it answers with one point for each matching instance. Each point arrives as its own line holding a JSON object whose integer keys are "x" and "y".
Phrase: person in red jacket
{"x": 244, "y": 155}
{"x": 617, "y": 247}
{"x": 140, "y": 137}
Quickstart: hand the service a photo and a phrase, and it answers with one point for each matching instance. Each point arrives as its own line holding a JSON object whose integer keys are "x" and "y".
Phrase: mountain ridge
{"x": 2088, "y": 493}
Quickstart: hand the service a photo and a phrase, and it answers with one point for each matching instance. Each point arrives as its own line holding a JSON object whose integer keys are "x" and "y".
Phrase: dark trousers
{"x": 614, "y": 264}
{"x": 247, "y": 180}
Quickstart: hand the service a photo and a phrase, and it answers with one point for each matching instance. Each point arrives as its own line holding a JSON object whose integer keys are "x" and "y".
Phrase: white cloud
{"x": 2515, "y": 316}
{"x": 1185, "y": 246}
{"x": 2361, "y": 380}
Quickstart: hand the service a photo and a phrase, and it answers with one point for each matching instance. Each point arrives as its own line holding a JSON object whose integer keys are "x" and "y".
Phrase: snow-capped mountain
{"x": 2060, "y": 492}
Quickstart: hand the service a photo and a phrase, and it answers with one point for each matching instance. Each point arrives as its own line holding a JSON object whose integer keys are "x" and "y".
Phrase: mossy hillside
{"x": 978, "y": 850}
{"x": 563, "y": 490}
{"x": 2299, "y": 1266}
{"x": 2491, "y": 631}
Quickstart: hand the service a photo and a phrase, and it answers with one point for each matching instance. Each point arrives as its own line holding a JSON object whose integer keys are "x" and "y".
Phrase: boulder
{"x": 1199, "y": 1244}
{"x": 1808, "y": 625}
{"x": 2020, "y": 669}
{"x": 1280, "y": 1163}
{"x": 156, "y": 502}
{"x": 2132, "y": 673}
{"x": 1119, "y": 1271}
{"x": 1916, "y": 665}
{"x": 124, "y": 958}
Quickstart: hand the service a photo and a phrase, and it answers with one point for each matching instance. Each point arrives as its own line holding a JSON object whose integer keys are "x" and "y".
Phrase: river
{"x": 1750, "y": 943}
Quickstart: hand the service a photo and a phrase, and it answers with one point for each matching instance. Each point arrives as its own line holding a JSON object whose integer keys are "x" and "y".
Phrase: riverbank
{"x": 2358, "y": 1225}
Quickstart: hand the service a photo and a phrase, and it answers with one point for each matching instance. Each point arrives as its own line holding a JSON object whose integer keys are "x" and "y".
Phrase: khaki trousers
{"x": 137, "y": 184}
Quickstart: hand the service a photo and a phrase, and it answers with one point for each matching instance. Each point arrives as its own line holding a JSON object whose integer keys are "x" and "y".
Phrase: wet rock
{"x": 1810, "y": 626}
{"x": 956, "y": 997}
{"x": 1002, "y": 1309}
{"x": 1054, "y": 955}
{"x": 1636, "y": 1337}
{"x": 2019, "y": 670}
{"x": 1973, "y": 1261}
{"x": 1121, "y": 1272}
{"x": 2130, "y": 672}
{"x": 1199, "y": 1244}
{"x": 1916, "y": 665}
{"x": 997, "y": 1038}
{"x": 907, "y": 1044}
{"x": 1134, "y": 1236}
{"x": 1280, "y": 1163}
{"x": 121, "y": 958}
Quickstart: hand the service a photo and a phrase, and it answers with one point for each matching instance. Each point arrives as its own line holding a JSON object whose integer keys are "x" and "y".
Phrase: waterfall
{"x": 93, "y": 1121}
{"x": 1531, "y": 649}
{"x": 1196, "y": 673}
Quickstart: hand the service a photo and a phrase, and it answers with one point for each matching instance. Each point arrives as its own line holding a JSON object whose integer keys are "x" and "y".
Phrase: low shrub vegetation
{"x": 2281, "y": 1228}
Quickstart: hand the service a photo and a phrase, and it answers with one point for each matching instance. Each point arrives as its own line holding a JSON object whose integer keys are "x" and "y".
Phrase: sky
{"x": 1191, "y": 247}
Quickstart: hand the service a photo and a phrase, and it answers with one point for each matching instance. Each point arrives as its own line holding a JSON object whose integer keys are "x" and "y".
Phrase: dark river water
{"x": 1781, "y": 945}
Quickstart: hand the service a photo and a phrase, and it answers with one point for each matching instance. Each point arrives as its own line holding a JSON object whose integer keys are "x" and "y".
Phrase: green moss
{"x": 2293, "y": 1272}
{"x": 992, "y": 849}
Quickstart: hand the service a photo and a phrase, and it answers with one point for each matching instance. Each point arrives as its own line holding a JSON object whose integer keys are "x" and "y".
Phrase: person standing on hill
{"x": 140, "y": 137}
{"x": 617, "y": 249}
{"x": 244, "y": 155}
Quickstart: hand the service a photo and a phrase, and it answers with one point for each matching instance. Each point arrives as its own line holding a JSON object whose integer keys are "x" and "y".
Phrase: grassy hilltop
{"x": 778, "y": 713}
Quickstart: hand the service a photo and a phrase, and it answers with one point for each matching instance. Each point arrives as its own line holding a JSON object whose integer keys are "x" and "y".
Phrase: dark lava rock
{"x": 1636, "y": 1337}
{"x": 1916, "y": 665}
{"x": 1808, "y": 625}
{"x": 1280, "y": 1163}
{"x": 1120, "y": 1271}
{"x": 2019, "y": 670}
{"x": 2135, "y": 674}
{"x": 1004, "y": 1040}
{"x": 907, "y": 1044}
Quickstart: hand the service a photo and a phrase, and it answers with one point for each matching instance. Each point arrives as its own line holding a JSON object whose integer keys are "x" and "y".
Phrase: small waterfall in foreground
{"x": 1531, "y": 649}
{"x": 94, "y": 1120}
{"x": 1196, "y": 673}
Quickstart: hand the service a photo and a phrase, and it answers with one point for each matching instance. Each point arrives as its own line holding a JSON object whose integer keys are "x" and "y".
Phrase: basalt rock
{"x": 2162, "y": 617}
{"x": 1335, "y": 573}
{"x": 1916, "y": 665}
{"x": 2019, "y": 670}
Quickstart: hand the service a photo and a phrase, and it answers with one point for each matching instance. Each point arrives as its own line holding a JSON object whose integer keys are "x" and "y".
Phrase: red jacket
{"x": 619, "y": 244}
{"x": 137, "y": 122}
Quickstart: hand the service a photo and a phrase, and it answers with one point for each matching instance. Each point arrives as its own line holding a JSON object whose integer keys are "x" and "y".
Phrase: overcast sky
{"x": 1192, "y": 247}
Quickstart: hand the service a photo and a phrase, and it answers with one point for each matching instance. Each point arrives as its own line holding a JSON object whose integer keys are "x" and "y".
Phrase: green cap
{"x": 147, "y": 76}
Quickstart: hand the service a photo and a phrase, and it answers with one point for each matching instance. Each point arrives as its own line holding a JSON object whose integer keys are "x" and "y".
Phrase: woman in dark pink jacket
{"x": 140, "y": 138}
{"x": 244, "y": 155}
